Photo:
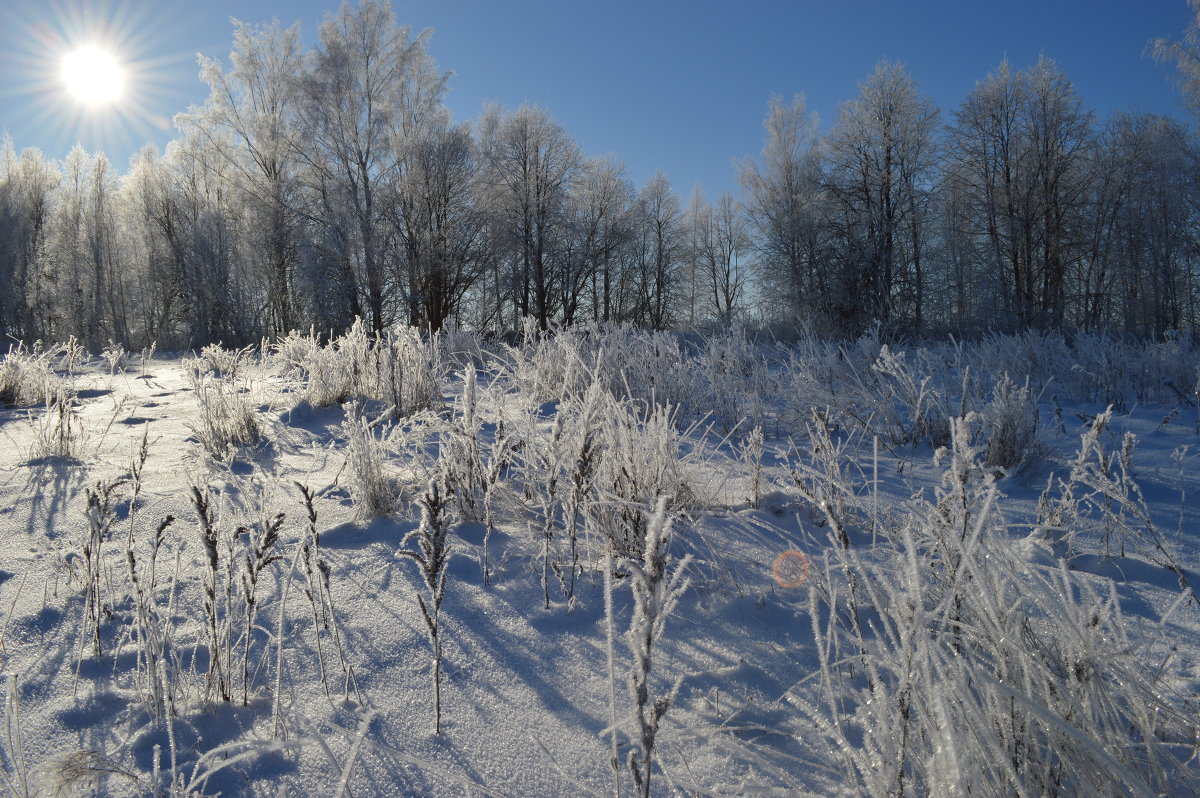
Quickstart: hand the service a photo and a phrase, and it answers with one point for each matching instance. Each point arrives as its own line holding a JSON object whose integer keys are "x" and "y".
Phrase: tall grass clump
{"x": 978, "y": 671}
{"x": 646, "y": 458}
{"x": 373, "y": 490}
{"x": 906, "y": 399}
{"x": 59, "y": 431}
{"x": 27, "y": 375}
{"x": 1012, "y": 426}
{"x": 825, "y": 476}
{"x": 738, "y": 381}
{"x": 399, "y": 367}
{"x": 227, "y": 417}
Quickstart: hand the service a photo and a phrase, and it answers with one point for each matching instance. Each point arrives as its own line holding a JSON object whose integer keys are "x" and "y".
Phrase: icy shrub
{"x": 373, "y": 491}
{"x": 1012, "y": 426}
{"x": 227, "y": 417}
{"x": 400, "y": 368}
{"x": 980, "y": 672}
{"x": 26, "y": 376}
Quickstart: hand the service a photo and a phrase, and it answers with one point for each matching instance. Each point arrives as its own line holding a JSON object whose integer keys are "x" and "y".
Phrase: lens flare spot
{"x": 790, "y": 569}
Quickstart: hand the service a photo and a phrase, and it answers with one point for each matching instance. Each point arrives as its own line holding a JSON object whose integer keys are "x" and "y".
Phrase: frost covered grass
{"x": 949, "y": 660}
{"x": 28, "y": 376}
{"x": 997, "y": 595}
{"x": 399, "y": 368}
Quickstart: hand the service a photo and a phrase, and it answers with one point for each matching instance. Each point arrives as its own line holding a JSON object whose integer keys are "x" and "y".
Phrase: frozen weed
{"x": 319, "y": 590}
{"x": 751, "y": 456}
{"x": 1011, "y": 419}
{"x": 656, "y": 590}
{"x": 400, "y": 368}
{"x": 24, "y": 377}
{"x": 431, "y": 556}
{"x": 101, "y": 515}
{"x": 116, "y": 357}
{"x": 374, "y": 492}
{"x": 228, "y": 418}
{"x": 824, "y": 478}
{"x": 59, "y": 432}
{"x": 980, "y": 671}
{"x": 222, "y": 363}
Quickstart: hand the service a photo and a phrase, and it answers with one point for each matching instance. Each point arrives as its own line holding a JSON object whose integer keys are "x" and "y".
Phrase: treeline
{"x": 317, "y": 186}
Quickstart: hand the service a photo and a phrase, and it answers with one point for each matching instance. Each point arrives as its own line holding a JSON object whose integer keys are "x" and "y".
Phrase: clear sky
{"x": 677, "y": 85}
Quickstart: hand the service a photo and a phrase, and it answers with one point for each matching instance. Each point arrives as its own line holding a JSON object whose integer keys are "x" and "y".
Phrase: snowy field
{"x": 994, "y": 592}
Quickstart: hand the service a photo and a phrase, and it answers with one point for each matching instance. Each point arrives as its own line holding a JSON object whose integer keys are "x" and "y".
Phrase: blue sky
{"x": 672, "y": 85}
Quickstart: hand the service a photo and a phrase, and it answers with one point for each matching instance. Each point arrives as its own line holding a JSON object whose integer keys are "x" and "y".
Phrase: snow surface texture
{"x": 989, "y": 586}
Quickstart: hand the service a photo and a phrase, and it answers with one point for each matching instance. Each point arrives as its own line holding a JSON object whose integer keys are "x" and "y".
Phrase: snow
{"x": 525, "y": 690}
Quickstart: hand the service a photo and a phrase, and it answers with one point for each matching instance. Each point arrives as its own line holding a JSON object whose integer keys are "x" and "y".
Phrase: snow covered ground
{"x": 996, "y": 594}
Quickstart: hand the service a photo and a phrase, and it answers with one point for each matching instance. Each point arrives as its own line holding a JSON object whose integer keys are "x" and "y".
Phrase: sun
{"x": 93, "y": 76}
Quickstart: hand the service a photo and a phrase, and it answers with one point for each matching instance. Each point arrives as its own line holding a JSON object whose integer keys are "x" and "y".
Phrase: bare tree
{"x": 717, "y": 241}
{"x": 1136, "y": 275}
{"x": 881, "y": 177}
{"x": 437, "y": 218}
{"x": 532, "y": 168}
{"x": 784, "y": 206}
{"x": 1021, "y": 147}
{"x": 1186, "y": 57}
{"x": 153, "y": 250}
{"x": 371, "y": 81}
{"x": 27, "y": 187}
{"x": 250, "y": 117}
{"x": 598, "y": 226}
{"x": 81, "y": 250}
{"x": 660, "y": 251}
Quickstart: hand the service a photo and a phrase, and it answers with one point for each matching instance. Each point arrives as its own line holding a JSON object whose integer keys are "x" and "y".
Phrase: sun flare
{"x": 93, "y": 76}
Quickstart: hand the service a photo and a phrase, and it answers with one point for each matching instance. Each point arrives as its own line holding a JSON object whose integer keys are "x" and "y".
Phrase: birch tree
{"x": 371, "y": 82}
{"x": 784, "y": 201}
{"x": 250, "y": 118}
{"x": 881, "y": 176}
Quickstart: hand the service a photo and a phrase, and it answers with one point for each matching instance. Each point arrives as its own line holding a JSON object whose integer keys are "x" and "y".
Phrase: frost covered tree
{"x": 881, "y": 159}
{"x": 1021, "y": 148}
{"x": 604, "y": 203}
{"x": 784, "y": 200}
{"x": 598, "y": 226}
{"x": 1185, "y": 55}
{"x": 717, "y": 243}
{"x": 1135, "y": 274}
{"x": 532, "y": 168}
{"x": 250, "y": 118}
{"x": 27, "y": 186}
{"x": 370, "y": 82}
{"x": 436, "y": 216}
{"x": 154, "y": 250}
{"x": 202, "y": 220}
{"x": 659, "y": 248}
{"x": 81, "y": 251}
